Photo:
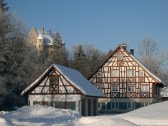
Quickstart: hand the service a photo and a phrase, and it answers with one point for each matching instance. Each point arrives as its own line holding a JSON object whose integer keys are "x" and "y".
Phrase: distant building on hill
{"x": 126, "y": 83}
{"x": 42, "y": 40}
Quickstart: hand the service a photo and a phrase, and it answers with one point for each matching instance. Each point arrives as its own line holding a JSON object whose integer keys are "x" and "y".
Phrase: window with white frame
{"x": 114, "y": 73}
{"x": 144, "y": 88}
{"x": 115, "y": 88}
{"x": 131, "y": 88}
{"x": 131, "y": 73}
{"x": 141, "y": 73}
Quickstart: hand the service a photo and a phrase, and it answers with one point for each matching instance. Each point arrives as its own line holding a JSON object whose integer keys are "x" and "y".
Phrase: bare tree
{"x": 148, "y": 47}
{"x": 154, "y": 59}
{"x": 94, "y": 59}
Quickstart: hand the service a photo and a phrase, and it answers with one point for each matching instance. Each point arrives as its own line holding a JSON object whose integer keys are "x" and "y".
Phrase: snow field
{"x": 153, "y": 115}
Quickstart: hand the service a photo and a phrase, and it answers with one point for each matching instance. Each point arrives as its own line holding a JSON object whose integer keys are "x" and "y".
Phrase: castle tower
{"x": 40, "y": 43}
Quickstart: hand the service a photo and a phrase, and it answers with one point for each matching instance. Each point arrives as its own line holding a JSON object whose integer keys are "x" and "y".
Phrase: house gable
{"x": 55, "y": 83}
{"x": 122, "y": 75}
{"x": 58, "y": 80}
{"x": 52, "y": 82}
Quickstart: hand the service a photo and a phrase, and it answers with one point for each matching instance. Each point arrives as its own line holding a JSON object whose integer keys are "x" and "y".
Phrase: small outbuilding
{"x": 164, "y": 93}
{"x": 64, "y": 88}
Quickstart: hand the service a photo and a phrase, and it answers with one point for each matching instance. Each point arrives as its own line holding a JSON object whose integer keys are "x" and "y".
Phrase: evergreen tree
{"x": 3, "y": 5}
{"x": 11, "y": 57}
{"x": 4, "y": 25}
{"x": 79, "y": 59}
{"x": 58, "y": 42}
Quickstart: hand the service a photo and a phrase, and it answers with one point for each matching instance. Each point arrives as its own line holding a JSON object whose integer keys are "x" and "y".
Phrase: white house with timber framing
{"x": 126, "y": 83}
{"x": 65, "y": 88}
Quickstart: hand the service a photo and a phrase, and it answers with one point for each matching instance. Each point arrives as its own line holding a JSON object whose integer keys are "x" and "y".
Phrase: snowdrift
{"x": 38, "y": 115}
{"x": 155, "y": 114}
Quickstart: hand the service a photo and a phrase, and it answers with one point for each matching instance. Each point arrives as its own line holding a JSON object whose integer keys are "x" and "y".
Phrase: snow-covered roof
{"x": 48, "y": 37}
{"x": 74, "y": 77}
{"x": 79, "y": 81}
{"x": 40, "y": 37}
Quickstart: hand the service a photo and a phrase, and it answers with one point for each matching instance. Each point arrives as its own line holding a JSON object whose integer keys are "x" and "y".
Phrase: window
{"x": 40, "y": 102}
{"x": 54, "y": 79}
{"x": 130, "y": 105}
{"x": 130, "y": 73}
{"x": 120, "y": 56}
{"x": 115, "y": 105}
{"x": 65, "y": 105}
{"x": 144, "y": 88}
{"x": 99, "y": 74}
{"x": 102, "y": 106}
{"x": 141, "y": 73}
{"x": 115, "y": 88}
{"x": 114, "y": 73}
{"x": 106, "y": 85}
{"x": 131, "y": 88}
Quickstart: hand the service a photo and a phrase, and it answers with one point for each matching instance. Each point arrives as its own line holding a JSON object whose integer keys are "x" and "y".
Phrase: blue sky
{"x": 102, "y": 23}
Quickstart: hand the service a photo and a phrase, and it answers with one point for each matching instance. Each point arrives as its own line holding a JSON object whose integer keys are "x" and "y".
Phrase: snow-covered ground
{"x": 153, "y": 115}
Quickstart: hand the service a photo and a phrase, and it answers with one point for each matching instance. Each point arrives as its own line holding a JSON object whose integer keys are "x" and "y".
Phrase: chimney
{"x": 132, "y": 51}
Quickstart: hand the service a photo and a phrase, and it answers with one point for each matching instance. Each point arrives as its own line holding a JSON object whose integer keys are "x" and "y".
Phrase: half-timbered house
{"x": 126, "y": 83}
{"x": 65, "y": 88}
